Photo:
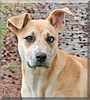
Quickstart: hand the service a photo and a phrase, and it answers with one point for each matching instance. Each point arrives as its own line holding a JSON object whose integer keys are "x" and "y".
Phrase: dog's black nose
{"x": 41, "y": 57}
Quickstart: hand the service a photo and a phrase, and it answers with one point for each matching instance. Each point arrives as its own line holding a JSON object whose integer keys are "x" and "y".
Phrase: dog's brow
{"x": 32, "y": 32}
{"x": 48, "y": 34}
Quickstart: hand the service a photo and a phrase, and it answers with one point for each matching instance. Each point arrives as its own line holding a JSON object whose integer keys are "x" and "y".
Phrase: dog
{"x": 46, "y": 70}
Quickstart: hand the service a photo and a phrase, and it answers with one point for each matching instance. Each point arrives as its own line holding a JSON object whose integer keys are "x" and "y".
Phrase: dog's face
{"x": 38, "y": 39}
{"x": 38, "y": 43}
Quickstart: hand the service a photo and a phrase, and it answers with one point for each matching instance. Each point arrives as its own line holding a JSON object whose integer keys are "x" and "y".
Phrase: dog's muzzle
{"x": 41, "y": 57}
{"x": 40, "y": 61}
{"x": 39, "y": 65}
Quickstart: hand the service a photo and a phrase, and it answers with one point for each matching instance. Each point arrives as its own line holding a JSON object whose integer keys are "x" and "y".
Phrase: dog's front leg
{"x": 25, "y": 90}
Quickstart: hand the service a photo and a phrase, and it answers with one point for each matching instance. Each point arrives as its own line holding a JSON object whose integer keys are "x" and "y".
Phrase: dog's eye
{"x": 50, "y": 39}
{"x": 30, "y": 38}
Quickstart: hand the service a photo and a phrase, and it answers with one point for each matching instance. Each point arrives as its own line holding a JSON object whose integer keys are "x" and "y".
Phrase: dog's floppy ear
{"x": 18, "y": 22}
{"x": 56, "y": 18}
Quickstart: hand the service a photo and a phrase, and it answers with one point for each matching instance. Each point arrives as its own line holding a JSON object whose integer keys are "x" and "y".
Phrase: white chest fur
{"x": 35, "y": 79}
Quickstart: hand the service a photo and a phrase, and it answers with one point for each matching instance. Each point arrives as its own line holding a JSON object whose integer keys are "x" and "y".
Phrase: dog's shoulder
{"x": 73, "y": 59}
{"x": 84, "y": 62}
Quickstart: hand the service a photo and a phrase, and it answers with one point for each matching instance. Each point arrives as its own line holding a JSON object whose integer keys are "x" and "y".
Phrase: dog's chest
{"x": 40, "y": 84}
{"x": 36, "y": 81}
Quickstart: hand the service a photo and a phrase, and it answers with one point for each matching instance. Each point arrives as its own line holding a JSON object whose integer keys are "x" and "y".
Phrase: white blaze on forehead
{"x": 37, "y": 48}
{"x": 34, "y": 48}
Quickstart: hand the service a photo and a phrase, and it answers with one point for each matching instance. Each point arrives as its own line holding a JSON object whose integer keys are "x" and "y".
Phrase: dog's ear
{"x": 56, "y": 18}
{"x": 18, "y": 22}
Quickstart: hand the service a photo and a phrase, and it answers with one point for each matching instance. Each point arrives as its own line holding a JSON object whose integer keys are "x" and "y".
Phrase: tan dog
{"x": 46, "y": 70}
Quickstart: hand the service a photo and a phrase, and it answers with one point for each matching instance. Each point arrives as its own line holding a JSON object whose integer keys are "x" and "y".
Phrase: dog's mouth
{"x": 42, "y": 65}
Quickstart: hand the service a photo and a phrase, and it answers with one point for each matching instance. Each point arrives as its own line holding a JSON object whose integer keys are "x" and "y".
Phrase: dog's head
{"x": 38, "y": 39}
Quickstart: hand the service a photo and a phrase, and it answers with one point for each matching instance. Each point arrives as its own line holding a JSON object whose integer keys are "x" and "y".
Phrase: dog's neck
{"x": 40, "y": 79}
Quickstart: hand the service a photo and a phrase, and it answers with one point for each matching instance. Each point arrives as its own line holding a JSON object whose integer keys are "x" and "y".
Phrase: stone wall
{"x": 73, "y": 37}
